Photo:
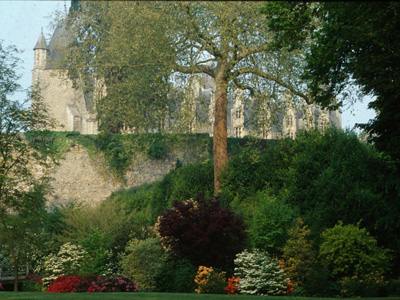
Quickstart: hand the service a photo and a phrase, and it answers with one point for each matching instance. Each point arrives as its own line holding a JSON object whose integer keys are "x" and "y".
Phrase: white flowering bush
{"x": 260, "y": 274}
{"x": 68, "y": 261}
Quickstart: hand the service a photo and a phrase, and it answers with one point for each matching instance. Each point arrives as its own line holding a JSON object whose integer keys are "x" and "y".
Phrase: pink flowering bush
{"x": 113, "y": 284}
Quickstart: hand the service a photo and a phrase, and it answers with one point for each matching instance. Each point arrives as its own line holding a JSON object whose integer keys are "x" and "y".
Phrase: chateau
{"x": 74, "y": 111}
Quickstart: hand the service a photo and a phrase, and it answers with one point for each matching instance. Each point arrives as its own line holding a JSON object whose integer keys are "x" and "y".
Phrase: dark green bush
{"x": 177, "y": 276}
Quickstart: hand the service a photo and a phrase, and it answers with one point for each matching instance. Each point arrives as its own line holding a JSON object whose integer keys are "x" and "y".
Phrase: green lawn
{"x": 148, "y": 296}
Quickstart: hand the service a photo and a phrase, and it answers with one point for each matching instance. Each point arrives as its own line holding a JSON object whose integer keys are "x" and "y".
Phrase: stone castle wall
{"x": 78, "y": 177}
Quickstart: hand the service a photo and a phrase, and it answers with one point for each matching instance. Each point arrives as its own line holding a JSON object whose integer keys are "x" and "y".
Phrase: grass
{"x": 149, "y": 296}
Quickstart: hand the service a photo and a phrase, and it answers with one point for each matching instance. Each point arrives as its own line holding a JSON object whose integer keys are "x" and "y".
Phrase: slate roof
{"x": 41, "y": 43}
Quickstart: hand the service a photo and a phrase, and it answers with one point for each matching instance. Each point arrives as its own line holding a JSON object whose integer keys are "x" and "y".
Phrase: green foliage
{"x": 254, "y": 166}
{"x": 298, "y": 253}
{"x": 269, "y": 223}
{"x": 367, "y": 285}
{"x": 290, "y": 21}
{"x": 151, "y": 200}
{"x": 107, "y": 225}
{"x": 143, "y": 260}
{"x": 98, "y": 256}
{"x": 260, "y": 274}
{"x": 177, "y": 276}
{"x": 355, "y": 45}
{"x": 22, "y": 193}
{"x": 347, "y": 250}
{"x": 48, "y": 143}
{"x": 333, "y": 176}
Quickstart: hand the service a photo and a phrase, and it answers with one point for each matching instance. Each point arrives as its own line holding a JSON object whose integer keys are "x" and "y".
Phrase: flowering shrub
{"x": 91, "y": 284}
{"x": 67, "y": 261}
{"x": 33, "y": 283}
{"x": 260, "y": 274}
{"x": 232, "y": 287}
{"x": 1, "y": 287}
{"x": 113, "y": 284}
{"x": 68, "y": 284}
{"x": 290, "y": 288}
{"x": 209, "y": 281}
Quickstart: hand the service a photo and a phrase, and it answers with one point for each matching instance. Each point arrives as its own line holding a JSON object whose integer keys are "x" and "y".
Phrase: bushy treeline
{"x": 316, "y": 216}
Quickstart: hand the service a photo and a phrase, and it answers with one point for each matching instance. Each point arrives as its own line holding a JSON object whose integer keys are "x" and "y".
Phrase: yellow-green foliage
{"x": 298, "y": 253}
{"x": 349, "y": 250}
{"x": 143, "y": 260}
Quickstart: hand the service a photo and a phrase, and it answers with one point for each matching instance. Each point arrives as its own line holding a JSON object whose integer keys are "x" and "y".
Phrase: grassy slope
{"x": 148, "y": 296}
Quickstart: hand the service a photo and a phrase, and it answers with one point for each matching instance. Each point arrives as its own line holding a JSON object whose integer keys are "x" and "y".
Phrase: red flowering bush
{"x": 232, "y": 287}
{"x": 68, "y": 284}
{"x": 91, "y": 284}
{"x": 113, "y": 284}
{"x": 290, "y": 288}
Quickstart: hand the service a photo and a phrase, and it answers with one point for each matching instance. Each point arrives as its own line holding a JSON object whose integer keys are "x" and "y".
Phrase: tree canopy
{"x": 352, "y": 45}
{"x": 21, "y": 191}
{"x": 144, "y": 46}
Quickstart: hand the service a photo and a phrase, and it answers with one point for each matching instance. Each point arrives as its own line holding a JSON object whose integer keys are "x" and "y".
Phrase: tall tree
{"x": 354, "y": 44}
{"x": 21, "y": 192}
{"x": 229, "y": 41}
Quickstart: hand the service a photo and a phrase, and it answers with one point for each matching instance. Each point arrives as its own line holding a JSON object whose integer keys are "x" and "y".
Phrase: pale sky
{"x": 21, "y": 22}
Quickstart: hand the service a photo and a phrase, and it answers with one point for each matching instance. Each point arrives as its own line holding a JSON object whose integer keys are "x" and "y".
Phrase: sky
{"x": 21, "y": 22}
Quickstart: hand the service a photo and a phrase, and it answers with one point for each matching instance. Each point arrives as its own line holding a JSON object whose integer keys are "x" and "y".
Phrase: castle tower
{"x": 66, "y": 104}
{"x": 41, "y": 53}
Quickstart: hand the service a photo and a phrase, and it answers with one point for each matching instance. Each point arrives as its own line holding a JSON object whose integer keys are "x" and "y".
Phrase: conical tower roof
{"x": 41, "y": 43}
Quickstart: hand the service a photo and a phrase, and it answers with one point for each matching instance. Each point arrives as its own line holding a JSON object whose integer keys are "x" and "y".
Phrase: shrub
{"x": 260, "y": 274}
{"x": 97, "y": 260}
{"x": 33, "y": 283}
{"x": 112, "y": 284}
{"x": 232, "y": 287}
{"x": 68, "y": 284}
{"x": 177, "y": 277}
{"x": 348, "y": 250}
{"x": 206, "y": 234}
{"x": 209, "y": 281}
{"x": 143, "y": 260}
{"x": 368, "y": 285}
{"x": 270, "y": 222}
{"x": 91, "y": 284}
{"x": 68, "y": 261}
{"x": 298, "y": 253}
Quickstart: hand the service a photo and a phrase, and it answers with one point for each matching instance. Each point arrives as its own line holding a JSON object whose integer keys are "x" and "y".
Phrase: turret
{"x": 41, "y": 52}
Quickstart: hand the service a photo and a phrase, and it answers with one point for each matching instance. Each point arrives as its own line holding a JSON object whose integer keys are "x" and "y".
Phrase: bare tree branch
{"x": 264, "y": 75}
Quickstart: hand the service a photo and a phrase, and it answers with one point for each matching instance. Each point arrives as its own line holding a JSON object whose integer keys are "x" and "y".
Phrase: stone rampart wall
{"x": 78, "y": 177}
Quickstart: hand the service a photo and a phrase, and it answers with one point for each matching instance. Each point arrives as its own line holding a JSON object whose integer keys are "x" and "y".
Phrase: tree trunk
{"x": 16, "y": 279}
{"x": 220, "y": 142}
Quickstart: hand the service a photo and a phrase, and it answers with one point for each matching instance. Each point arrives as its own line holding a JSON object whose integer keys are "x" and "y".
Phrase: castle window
{"x": 323, "y": 125}
{"x": 238, "y": 132}
{"x": 289, "y": 122}
{"x": 238, "y": 114}
{"x": 77, "y": 125}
